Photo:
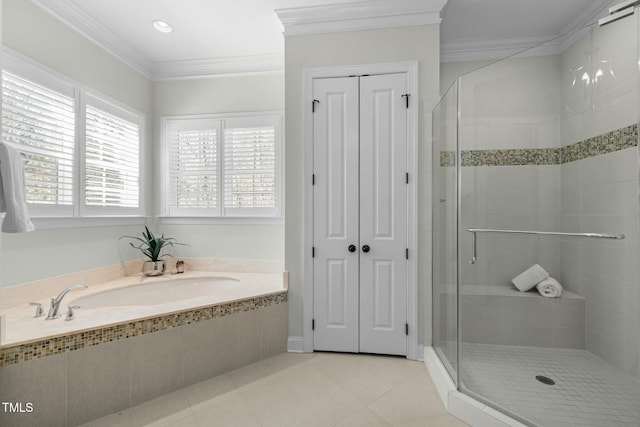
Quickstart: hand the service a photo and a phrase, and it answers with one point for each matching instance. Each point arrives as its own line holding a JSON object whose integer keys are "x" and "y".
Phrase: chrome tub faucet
{"x": 55, "y": 302}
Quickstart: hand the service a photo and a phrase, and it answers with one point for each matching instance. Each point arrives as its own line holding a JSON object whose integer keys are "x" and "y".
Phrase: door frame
{"x": 410, "y": 68}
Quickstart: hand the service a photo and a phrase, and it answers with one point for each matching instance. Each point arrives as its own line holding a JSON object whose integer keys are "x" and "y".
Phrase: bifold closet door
{"x": 383, "y": 214}
{"x": 336, "y": 220}
{"x": 359, "y": 215}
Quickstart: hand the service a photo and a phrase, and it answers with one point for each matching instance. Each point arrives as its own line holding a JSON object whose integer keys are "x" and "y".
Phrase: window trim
{"x": 217, "y": 215}
{"x": 78, "y": 214}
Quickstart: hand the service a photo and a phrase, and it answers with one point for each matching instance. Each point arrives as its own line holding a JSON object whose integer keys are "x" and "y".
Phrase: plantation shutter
{"x": 193, "y": 151}
{"x": 250, "y": 166}
{"x": 112, "y": 160}
{"x": 40, "y": 123}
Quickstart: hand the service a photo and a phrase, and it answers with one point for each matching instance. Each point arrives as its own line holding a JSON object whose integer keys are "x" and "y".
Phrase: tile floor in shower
{"x": 588, "y": 391}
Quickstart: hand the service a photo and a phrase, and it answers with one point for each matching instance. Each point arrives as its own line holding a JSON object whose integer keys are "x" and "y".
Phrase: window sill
{"x": 222, "y": 220}
{"x": 45, "y": 223}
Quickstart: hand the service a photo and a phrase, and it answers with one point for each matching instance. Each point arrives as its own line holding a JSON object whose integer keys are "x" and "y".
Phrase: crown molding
{"x": 480, "y": 50}
{"x": 77, "y": 19}
{"x": 217, "y": 67}
{"x": 359, "y": 16}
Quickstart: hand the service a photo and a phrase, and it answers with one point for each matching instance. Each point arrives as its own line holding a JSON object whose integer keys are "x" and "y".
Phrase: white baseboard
{"x": 420, "y": 355}
{"x": 459, "y": 404}
{"x": 295, "y": 345}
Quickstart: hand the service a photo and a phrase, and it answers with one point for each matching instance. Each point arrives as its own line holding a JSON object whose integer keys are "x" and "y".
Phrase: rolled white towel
{"x": 549, "y": 288}
{"x": 529, "y": 278}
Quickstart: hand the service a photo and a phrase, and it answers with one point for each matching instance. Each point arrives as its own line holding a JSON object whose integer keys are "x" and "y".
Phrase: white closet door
{"x": 336, "y": 222}
{"x": 383, "y": 214}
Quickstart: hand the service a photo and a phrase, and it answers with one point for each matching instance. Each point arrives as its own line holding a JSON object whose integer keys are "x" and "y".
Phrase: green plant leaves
{"x": 151, "y": 245}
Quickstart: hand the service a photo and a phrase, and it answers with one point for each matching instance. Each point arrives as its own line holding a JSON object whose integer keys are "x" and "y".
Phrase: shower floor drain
{"x": 545, "y": 380}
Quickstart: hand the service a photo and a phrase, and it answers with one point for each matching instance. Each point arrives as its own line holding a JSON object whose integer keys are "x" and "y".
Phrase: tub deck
{"x": 21, "y": 328}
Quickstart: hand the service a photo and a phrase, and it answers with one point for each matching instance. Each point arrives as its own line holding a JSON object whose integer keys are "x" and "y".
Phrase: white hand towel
{"x": 12, "y": 194}
{"x": 529, "y": 278}
{"x": 549, "y": 288}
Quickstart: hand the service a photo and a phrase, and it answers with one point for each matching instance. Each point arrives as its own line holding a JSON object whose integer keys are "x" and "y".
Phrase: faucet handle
{"x": 39, "y": 310}
{"x": 70, "y": 314}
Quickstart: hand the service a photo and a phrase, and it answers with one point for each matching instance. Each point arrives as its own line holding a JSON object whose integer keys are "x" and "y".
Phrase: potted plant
{"x": 151, "y": 246}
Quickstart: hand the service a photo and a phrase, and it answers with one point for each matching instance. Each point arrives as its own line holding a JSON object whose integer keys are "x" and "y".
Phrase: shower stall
{"x": 535, "y": 161}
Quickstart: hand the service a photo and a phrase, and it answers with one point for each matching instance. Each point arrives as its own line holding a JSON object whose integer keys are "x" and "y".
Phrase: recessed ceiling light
{"x": 162, "y": 26}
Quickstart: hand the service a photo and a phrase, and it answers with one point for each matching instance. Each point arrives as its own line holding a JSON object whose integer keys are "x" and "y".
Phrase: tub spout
{"x": 55, "y": 302}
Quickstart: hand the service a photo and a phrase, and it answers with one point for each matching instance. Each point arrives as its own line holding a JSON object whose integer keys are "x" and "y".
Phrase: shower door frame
{"x": 410, "y": 68}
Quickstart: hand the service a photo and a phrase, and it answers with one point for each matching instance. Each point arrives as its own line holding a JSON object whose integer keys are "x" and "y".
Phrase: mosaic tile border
{"x": 610, "y": 142}
{"x": 80, "y": 340}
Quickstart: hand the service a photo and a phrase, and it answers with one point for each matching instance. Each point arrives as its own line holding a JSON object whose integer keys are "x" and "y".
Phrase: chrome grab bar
{"x": 474, "y": 231}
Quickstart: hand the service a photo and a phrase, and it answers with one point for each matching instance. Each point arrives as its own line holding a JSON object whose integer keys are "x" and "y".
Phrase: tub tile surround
{"x": 77, "y": 387}
{"x": 26, "y": 338}
{"x": 84, "y": 372}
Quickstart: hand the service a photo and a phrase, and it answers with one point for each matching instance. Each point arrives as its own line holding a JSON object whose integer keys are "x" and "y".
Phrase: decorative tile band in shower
{"x": 517, "y": 157}
{"x": 610, "y": 142}
{"x": 79, "y": 340}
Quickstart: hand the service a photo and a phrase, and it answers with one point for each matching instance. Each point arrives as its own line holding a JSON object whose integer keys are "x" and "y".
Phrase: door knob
{"x": 366, "y": 248}
{"x": 352, "y": 248}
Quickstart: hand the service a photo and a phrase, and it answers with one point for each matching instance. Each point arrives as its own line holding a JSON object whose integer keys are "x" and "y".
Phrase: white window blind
{"x": 193, "y": 167}
{"x": 112, "y": 160}
{"x": 250, "y": 169}
{"x": 222, "y": 166}
{"x": 40, "y": 123}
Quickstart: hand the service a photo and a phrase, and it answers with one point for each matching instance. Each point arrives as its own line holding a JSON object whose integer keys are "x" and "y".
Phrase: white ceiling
{"x": 490, "y": 29}
{"x": 245, "y": 35}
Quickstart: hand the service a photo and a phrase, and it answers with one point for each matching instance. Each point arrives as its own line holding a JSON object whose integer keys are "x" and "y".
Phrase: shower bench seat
{"x": 506, "y": 316}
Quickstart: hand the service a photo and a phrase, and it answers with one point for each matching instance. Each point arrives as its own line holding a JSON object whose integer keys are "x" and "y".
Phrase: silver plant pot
{"x": 153, "y": 268}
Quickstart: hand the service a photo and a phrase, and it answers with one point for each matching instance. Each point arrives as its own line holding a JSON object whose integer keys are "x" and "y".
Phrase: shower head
{"x": 619, "y": 11}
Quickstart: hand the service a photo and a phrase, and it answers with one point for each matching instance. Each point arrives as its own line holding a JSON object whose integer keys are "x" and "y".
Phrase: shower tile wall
{"x": 511, "y": 105}
{"x": 600, "y": 193}
{"x": 539, "y": 103}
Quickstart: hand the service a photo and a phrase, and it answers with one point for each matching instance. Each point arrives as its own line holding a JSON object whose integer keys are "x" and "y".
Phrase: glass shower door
{"x": 445, "y": 208}
{"x": 550, "y": 144}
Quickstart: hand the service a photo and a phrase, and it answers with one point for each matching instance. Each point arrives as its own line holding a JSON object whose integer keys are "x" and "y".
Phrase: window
{"x": 111, "y": 158}
{"x": 223, "y": 166}
{"x": 40, "y": 123}
{"x": 81, "y": 153}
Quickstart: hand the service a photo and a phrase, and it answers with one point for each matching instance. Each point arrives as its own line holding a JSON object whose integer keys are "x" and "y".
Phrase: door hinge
{"x": 313, "y": 324}
{"x": 406, "y": 253}
{"x": 313, "y": 252}
{"x": 313, "y": 105}
{"x": 313, "y": 179}
{"x": 406, "y": 178}
{"x": 406, "y": 99}
{"x": 406, "y": 329}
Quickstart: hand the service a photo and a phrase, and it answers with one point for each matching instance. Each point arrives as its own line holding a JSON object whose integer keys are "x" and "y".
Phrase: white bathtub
{"x": 157, "y": 292}
{"x": 133, "y": 298}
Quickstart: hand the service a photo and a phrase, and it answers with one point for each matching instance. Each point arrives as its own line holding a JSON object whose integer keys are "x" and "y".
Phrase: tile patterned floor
{"x": 319, "y": 389}
{"x": 588, "y": 390}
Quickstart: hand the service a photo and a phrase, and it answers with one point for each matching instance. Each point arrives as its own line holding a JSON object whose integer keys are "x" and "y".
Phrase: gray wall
{"x": 225, "y": 94}
{"x": 419, "y": 43}
{"x": 32, "y": 32}
{"x": 43, "y": 253}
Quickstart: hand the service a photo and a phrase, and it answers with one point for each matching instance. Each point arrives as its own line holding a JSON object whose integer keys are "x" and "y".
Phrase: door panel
{"x": 383, "y": 214}
{"x": 360, "y": 198}
{"x": 336, "y": 192}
